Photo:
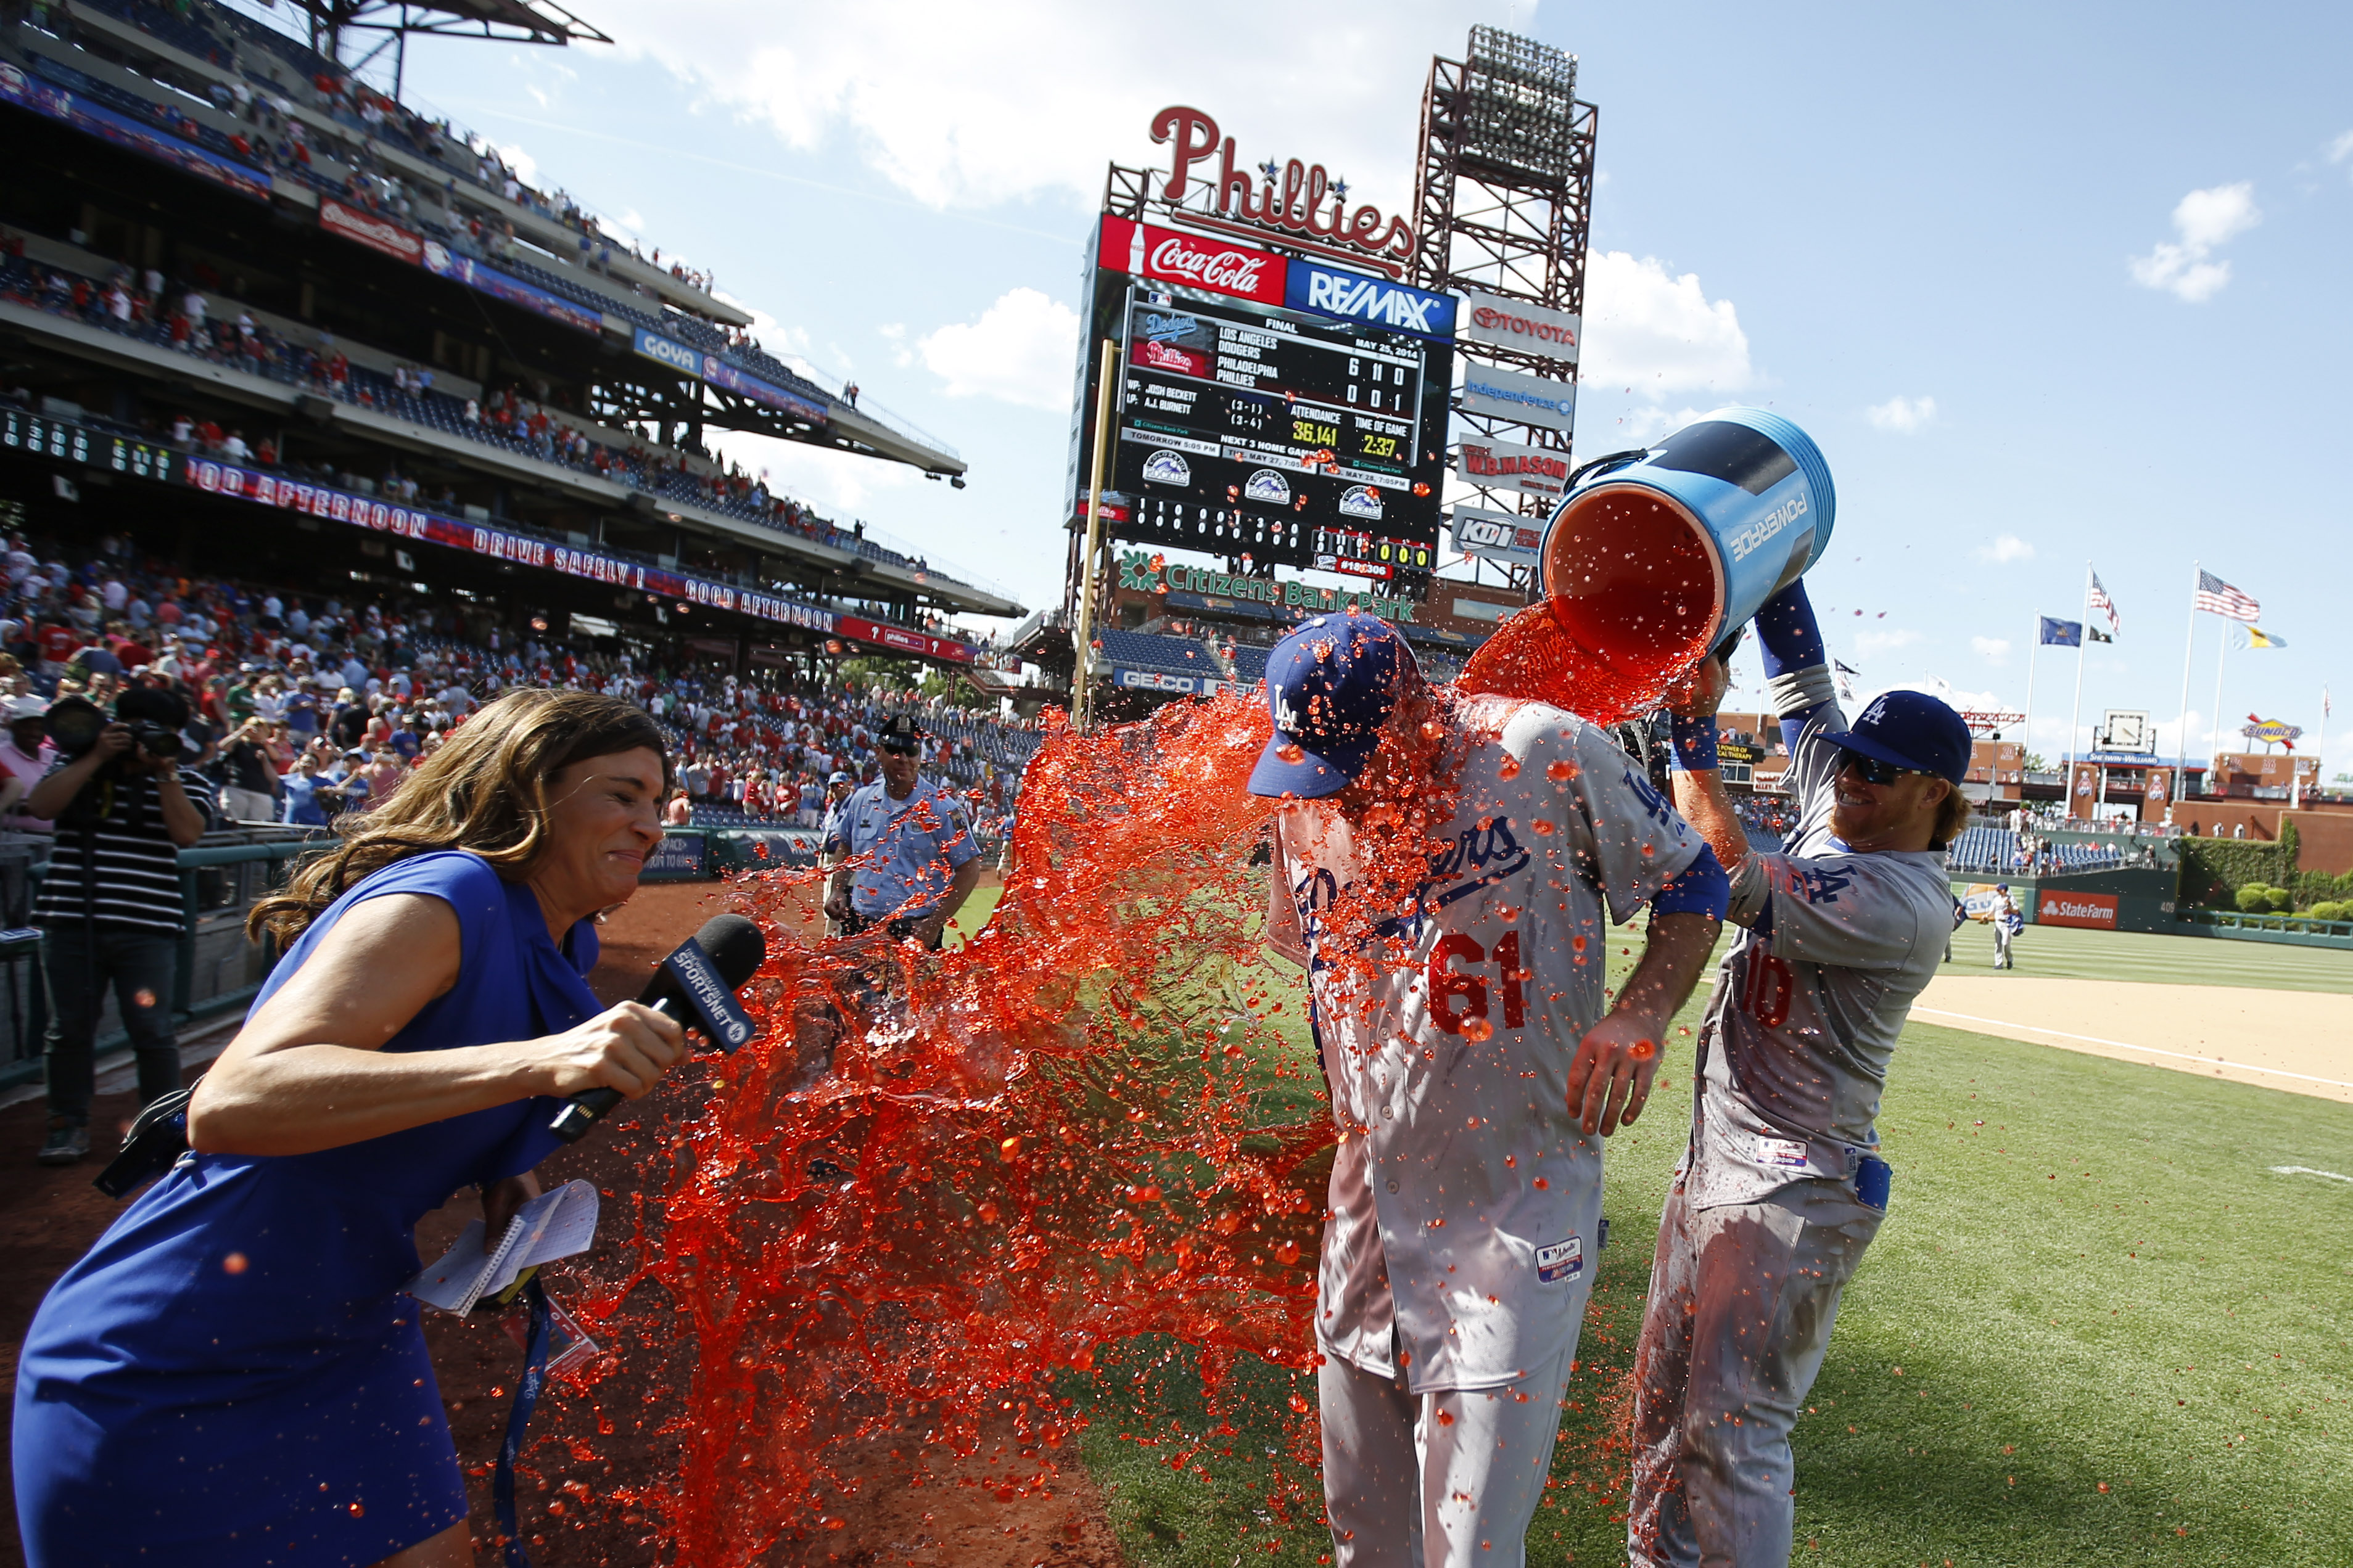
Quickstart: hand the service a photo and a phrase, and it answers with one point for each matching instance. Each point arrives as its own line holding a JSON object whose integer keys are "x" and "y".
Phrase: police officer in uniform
{"x": 911, "y": 859}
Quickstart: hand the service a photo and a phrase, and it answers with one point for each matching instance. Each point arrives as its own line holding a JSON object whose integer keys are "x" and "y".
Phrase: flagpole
{"x": 2220, "y": 654}
{"x": 2075, "y": 719}
{"x": 2032, "y": 650}
{"x": 2189, "y": 646}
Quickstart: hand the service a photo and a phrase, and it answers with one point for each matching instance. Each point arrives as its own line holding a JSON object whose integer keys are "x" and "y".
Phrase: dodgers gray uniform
{"x": 1765, "y": 1222}
{"x": 1465, "y": 1203}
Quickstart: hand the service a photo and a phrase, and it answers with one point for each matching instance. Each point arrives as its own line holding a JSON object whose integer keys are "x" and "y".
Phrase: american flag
{"x": 2220, "y": 598}
{"x": 2100, "y": 601}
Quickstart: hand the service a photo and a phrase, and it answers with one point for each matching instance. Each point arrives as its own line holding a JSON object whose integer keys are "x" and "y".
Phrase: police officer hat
{"x": 900, "y": 734}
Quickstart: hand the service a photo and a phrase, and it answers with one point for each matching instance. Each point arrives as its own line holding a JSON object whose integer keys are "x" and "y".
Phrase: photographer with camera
{"x": 111, "y": 908}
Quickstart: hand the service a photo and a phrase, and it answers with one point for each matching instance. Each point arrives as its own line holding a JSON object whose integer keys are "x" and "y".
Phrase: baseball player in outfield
{"x": 1782, "y": 1188}
{"x": 1472, "y": 1071}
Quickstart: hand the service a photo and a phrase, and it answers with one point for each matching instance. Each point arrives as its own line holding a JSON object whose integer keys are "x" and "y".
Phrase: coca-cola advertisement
{"x": 1192, "y": 260}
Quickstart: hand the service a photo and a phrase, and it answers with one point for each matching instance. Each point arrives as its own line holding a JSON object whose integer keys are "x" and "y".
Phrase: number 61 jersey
{"x": 1464, "y": 1201}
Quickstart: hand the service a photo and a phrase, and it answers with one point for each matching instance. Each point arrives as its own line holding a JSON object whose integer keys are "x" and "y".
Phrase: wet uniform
{"x": 1780, "y": 1189}
{"x": 1465, "y": 1203}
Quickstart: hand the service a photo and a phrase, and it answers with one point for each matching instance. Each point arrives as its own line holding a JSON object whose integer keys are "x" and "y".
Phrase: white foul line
{"x": 2308, "y": 1170}
{"x": 2128, "y": 1046}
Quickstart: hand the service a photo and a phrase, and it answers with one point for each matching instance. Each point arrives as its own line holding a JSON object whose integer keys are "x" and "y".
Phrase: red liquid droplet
{"x": 234, "y": 1263}
{"x": 357, "y": 1510}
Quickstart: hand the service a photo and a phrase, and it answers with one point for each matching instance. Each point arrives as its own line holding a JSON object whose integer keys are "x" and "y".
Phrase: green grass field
{"x": 2069, "y": 952}
{"x": 2098, "y": 1328}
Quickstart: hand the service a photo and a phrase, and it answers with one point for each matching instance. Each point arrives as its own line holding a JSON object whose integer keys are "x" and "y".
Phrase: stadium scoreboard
{"x": 1272, "y": 407}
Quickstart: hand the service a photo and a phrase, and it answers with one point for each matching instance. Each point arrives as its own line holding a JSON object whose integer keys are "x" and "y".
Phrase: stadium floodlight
{"x": 1517, "y": 98}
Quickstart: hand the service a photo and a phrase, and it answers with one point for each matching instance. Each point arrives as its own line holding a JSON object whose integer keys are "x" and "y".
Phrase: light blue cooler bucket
{"x": 1650, "y": 561}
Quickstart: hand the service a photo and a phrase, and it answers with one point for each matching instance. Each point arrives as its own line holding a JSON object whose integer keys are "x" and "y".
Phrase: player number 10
{"x": 1766, "y": 990}
{"x": 1448, "y": 983}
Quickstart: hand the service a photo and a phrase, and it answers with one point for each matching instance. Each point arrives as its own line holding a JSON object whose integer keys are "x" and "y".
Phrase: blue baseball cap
{"x": 1331, "y": 685}
{"x": 1911, "y": 729}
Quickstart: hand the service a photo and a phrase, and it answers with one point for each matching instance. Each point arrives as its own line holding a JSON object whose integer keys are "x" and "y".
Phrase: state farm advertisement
{"x": 1219, "y": 267}
{"x": 368, "y": 229}
{"x": 2057, "y": 907}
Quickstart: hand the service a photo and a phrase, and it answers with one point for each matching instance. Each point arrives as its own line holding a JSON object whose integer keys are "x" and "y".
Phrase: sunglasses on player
{"x": 1873, "y": 769}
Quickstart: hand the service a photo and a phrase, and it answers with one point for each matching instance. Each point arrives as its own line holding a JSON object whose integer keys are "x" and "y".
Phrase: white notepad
{"x": 556, "y": 1224}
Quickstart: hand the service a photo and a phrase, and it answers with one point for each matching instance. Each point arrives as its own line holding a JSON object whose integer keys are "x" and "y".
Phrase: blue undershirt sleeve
{"x": 1797, "y": 661}
{"x": 1699, "y": 889}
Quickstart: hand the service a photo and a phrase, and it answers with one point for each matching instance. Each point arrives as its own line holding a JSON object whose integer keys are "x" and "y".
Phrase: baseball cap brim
{"x": 1851, "y": 742}
{"x": 1315, "y": 774}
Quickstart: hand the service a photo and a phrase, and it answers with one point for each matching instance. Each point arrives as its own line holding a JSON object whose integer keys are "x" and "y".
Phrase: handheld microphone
{"x": 696, "y": 985}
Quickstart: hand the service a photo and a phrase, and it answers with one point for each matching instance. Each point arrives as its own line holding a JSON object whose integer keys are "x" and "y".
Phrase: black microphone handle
{"x": 588, "y": 1108}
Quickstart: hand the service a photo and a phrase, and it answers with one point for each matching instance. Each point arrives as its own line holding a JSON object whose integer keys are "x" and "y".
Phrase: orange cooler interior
{"x": 1631, "y": 598}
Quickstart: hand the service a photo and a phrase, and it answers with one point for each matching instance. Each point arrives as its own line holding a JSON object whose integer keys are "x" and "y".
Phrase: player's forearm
{"x": 1671, "y": 964}
{"x": 1701, "y": 800}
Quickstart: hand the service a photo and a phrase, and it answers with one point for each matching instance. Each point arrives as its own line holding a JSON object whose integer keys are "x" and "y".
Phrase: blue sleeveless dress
{"x": 232, "y": 1376}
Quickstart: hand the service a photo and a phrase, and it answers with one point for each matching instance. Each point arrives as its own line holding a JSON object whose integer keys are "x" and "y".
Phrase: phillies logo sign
{"x": 1294, "y": 199}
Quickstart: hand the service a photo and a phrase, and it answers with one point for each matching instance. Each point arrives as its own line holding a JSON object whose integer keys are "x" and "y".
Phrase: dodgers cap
{"x": 1330, "y": 686}
{"x": 1911, "y": 729}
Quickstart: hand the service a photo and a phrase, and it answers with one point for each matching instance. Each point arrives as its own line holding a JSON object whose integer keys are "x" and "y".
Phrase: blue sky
{"x": 2047, "y": 285}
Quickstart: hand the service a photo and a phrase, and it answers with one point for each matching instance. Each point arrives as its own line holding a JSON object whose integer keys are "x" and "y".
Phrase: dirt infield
{"x": 2300, "y": 1041}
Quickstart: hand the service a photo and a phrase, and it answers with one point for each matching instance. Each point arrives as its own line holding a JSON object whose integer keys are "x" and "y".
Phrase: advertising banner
{"x": 443, "y": 262}
{"x": 1497, "y": 535}
{"x": 1530, "y": 399}
{"x": 1220, "y": 267}
{"x": 683, "y": 856}
{"x": 719, "y": 374}
{"x": 1517, "y": 324}
{"x": 1328, "y": 291}
{"x": 478, "y": 538}
{"x": 1508, "y": 466}
{"x": 377, "y": 233}
{"x": 45, "y": 99}
{"x": 650, "y": 345}
{"x": 2094, "y": 911}
{"x": 1143, "y": 572}
{"x": 1152, "y": 680}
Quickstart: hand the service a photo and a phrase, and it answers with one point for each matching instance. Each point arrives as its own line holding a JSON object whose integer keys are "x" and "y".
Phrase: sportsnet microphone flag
{"x": 2220, "y": 598}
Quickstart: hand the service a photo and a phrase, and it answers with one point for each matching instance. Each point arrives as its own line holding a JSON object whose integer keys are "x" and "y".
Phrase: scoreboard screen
{"x": 1242, "y": 426}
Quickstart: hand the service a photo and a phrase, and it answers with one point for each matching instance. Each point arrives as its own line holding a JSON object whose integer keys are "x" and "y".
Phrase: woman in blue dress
{"x": 233, "y": 1376}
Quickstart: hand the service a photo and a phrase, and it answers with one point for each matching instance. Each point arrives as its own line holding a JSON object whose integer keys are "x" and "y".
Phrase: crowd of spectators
{"x": 308, "y": 705}
{"x": 147, "y": 305}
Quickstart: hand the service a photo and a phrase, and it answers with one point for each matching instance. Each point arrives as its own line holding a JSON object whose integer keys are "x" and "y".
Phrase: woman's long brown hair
{"x": 484, "y": 790}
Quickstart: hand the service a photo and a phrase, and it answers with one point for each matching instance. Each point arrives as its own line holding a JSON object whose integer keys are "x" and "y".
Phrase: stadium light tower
{"x": 1504, "y": 195}
{"x": 341, "y": 30}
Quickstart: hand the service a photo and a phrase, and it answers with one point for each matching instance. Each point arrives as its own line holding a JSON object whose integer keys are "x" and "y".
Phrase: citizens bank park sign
{"x": 521, "y": 550}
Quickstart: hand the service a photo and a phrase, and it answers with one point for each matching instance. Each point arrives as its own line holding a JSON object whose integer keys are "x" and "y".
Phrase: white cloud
{"x": 2341, "y": 148}
{"x": 2204, "y": 219}
{"x": 1866, "y": 643}
{"x": 2005, "y": 549}
{"x": 1650, "y": 334}
{"x": 1996, "y": 649}
{"x": 1032, "y": 102}
{"x": 1904, "y": 414}
{"x": 526, "y": 166}
{"x": 1021, "y": 350}
{"x": 1653, "y": 332}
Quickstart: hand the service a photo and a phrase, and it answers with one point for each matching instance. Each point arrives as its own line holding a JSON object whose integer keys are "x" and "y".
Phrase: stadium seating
{"x": 1157, "y": 655}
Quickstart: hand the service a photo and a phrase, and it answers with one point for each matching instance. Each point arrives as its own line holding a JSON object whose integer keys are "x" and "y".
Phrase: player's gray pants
{"x": 1444, "y": 1479}
{"x": 2001, "y": 940}
{"x": 1742, "y": 1299}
